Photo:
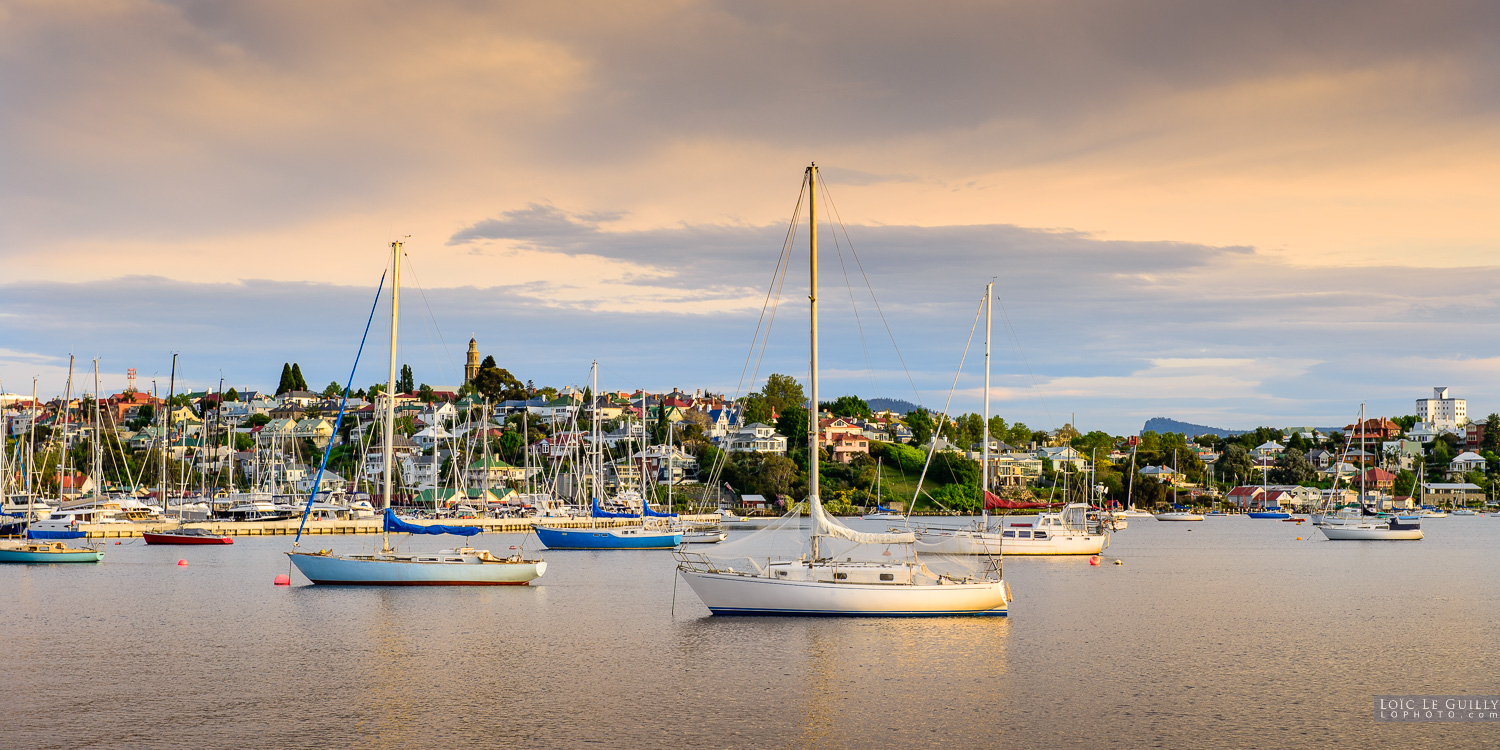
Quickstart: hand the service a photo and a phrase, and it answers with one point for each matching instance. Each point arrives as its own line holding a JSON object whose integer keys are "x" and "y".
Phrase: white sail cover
{"x": 826, "y": 525}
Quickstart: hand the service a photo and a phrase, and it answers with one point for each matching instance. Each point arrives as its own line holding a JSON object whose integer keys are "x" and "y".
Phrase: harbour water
{"x": 1226, "y": 633}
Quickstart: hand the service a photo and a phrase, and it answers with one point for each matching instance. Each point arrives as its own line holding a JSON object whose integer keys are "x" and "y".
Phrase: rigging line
{"x": 1016, "y": 345}
{"x": 829, "y": 196}
{"x": 938, "y": 433}
{"x": 859, "y": 324}
{"x": 452, "y": 366}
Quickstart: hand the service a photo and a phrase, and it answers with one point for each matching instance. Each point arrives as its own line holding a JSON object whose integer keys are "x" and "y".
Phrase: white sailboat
{"x": 1069, "y": 532}
{"x": 843, "y": 572}
{"x": 460, "y": 566}
{"x": 1369, "y": 526}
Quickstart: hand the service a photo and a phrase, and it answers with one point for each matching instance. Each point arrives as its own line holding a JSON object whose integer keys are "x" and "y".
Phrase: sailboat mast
{"x": 97, "y": 470}
{"x": 812, "y": 297}
{"x": 63, "y": 458}
{"x": 387, "y": 455}
{"x": 984, "y": 465}
{"x": 167, "y": 433}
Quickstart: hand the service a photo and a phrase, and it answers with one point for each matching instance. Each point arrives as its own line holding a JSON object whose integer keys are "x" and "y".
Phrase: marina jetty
{"x": 289, "y": 526}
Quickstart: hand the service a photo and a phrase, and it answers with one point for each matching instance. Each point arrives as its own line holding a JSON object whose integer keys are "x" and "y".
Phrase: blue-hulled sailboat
{"x": 461, "y": 566}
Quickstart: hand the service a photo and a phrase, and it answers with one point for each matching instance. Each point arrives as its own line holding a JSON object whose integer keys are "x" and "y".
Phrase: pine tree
{"x": 406, "y": 383}
{"x": 297, "y": 381}
{"x": 287, "y": 383}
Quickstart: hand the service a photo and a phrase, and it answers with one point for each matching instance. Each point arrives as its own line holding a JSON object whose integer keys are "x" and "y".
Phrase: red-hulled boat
{"x": 186, "y": 536}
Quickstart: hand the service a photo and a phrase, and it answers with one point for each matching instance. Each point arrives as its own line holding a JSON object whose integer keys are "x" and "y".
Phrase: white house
{"x": 1441, "y": 412}
{"x": 1269, "y": 449}
{"x": 758, "y": 438}
{"x": 1464, "y": 463}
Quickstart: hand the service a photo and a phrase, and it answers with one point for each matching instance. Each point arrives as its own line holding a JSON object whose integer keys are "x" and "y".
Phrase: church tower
{"x": 471, "y": 367}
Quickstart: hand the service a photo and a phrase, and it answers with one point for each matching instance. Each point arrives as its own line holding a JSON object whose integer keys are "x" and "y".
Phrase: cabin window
{"x": 1039, "y": 535}
{"x": 1009, "y": 534}
{"x": 840, "y": 576}
{"x": 781, "y": 573}
{"x": 887, "y": 576}
{"x": 1025, "y": 535}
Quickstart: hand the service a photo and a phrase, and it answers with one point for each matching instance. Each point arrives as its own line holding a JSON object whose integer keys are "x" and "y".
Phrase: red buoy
{"x": 182, "y": 562}
{"x": 283, "y": 580}
{"x": 1094, "y": 560}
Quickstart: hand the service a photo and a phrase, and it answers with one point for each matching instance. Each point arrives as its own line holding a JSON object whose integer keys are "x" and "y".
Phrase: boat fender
{"x": 1094, "y": 560}
{"x": 181, "y": 563}
{"x": 282, "y": 580}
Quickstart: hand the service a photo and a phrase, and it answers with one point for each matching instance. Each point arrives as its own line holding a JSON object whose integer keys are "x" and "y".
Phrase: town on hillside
{"x": 495, "y": 445}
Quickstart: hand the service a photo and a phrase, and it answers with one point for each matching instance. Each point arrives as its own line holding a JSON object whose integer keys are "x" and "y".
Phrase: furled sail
{"x": 602, "y": 513}
{"x": 392, "y": 523}
{"x": 649, "y": 512}
{"x": 995, "y": 502}
{"x": 826, "y": 525}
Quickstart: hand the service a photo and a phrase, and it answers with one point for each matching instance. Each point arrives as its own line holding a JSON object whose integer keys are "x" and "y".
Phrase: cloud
{"x": 1115, "y": 331}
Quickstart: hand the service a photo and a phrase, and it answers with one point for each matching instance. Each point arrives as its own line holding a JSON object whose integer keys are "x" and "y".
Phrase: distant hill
{"x": 890, "y": 404}
{"x": 1162, "y": 424}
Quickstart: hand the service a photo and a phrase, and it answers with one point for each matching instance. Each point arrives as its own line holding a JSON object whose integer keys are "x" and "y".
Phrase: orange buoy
{"x": 116, "y": 542}
{"x": 182, "y": 562}
{"x": 1299, "y": 538}
{"x": 1119, "y": 562}
{"x": 283, "y": 580}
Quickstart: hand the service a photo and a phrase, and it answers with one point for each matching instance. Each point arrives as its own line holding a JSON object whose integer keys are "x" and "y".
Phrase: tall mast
{"x": 984, "y": 466}
{"x": 390, "y": 390}
{"x": 63, "y": 459}
{"x": 98, "y": 468}
{"x": 167, "y": 433}
{"x": 812, "y": 297}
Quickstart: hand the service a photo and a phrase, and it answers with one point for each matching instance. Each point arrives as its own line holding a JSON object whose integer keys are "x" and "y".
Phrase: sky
{"x": 1221, "y": 212}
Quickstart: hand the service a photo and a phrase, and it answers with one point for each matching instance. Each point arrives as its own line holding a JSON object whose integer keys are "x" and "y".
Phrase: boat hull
{"x": 990, "y": 543}
{"x": 555, "y": 538}
{"x": 154, "y": 538}
{"x": 1268, "y": 514}
{"x": 1345, "y": 533}
{"x": 73, "y": 556}
{"x": 369, "y": 570}
{"x": 1178, "y": 517}
{"x": 733, "y": 594}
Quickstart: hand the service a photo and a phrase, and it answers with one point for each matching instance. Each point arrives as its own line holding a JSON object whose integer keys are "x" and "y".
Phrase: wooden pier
{"x": 357, "y": 526}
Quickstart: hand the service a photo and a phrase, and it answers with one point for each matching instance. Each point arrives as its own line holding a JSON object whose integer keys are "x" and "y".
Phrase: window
{"x": 1039, "y": 535}
{"x": 840, "y": 576}
{"x": 1025, "y": 535}
{"x": 1009, "y": 534}
{"x": 887, "y": 576}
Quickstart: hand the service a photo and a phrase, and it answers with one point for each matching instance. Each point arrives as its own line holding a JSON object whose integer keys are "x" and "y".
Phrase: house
{"x": 300, "y": 399}
{"x": 275, "y": 432}
{"x": 1402, "y": 454}
{"x": 429, "y": 437}
{"x": 1474, "y": 435}
{"x": 493, "y": 473}
{"x": 1464, "y": 463}
{"x": 845, "y": 446}
{"x": 317, "y": 429}
{"x": 1268, "y": 450}
{"x": 1456, "y": 493}
{"x": 941, "y": 445}
{"x": 757, "y": 437}
{"x": 757, "y": 502}
{"x": 1246, "y": 496}
{"x": 1162, "y": 474}
{"x": 421, "y": 472}
{"x": 667, "y": 464}
{"x": 1376, "y": 478}
{"x": 1320, "y": 458}
{"x": 1374, "y": 430}
{"x": 1062, "y": 455}
{"x": 605, "y": 408}
{"x": 723, "y": 422}
{"x": 1014, "y": 469}
{"x": 630, "y": 432}
{"x": 438, "y": 414}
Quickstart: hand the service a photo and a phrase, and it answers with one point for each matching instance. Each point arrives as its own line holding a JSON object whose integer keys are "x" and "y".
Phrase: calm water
{"x": 1227, "y": 633}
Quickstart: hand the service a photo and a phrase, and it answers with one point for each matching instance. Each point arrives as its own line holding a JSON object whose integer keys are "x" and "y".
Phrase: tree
{"x": 784, "y": 393}
{"x": 848, "y": 406}
{"x": 497, "y": 384}
{"x": 663, "y": 424}
{"x": 1234, "y": 462}
{"x": 299, "y": 383}
{"x": 793, "y": 424}
{"x": 1491, "y": 439}
{"x": 919, "y": 421}
{"x": 1406, "y": 483}
{"x": 332, "y": 390}
{"x": 756, "y": 409}
{"x": 776, "y": 474}
{"x": 257, "y": 420}
{"x": 1019, "y": 435}
{"x": 425, "y": 394}
{"x": 1293, "y": 468}
{"x": 405, "y": 383}
{"x": 288, "y": 383}
{"x": 232, "y": 395}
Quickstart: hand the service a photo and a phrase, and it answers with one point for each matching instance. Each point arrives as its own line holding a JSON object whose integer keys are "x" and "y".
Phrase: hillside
{"x": 1162, "y": 424}
{"x": 897, "y": 405}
